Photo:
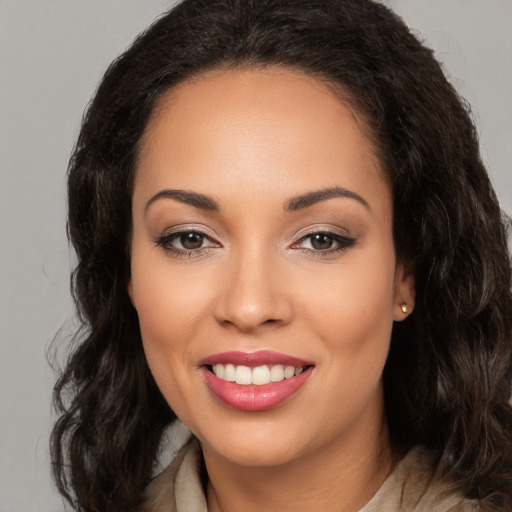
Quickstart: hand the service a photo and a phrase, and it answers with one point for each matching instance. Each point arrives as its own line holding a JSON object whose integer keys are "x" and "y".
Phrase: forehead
{"x": 271, "y": 129}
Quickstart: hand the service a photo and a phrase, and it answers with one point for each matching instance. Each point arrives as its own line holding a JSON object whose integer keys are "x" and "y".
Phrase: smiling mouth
{"x": 255, "y": 381}
{"x": 252, "y": 389}
{"x": 258, "y": 375}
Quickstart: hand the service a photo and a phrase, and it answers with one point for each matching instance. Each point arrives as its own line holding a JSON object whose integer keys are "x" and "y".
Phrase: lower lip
{"x": 252, "y": 397}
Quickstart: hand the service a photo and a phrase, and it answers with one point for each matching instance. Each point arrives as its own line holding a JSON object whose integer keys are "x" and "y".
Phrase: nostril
{"x": 251, "y": 309}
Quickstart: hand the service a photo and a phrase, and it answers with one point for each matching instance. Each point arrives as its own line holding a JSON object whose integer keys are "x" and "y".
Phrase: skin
{"x": 251, "y": 140}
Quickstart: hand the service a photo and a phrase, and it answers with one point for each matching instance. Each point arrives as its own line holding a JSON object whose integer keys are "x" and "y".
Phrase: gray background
{"x": 52, "y": 54}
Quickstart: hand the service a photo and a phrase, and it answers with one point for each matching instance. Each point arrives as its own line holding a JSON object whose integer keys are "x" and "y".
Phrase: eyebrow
{"x": 195, "y": 199}
{"x": 207, "y": 203}
{"x": 317, "y": 196}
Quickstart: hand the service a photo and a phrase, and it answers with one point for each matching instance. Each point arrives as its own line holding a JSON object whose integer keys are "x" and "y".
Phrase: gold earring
{"x": 406, "y": 308}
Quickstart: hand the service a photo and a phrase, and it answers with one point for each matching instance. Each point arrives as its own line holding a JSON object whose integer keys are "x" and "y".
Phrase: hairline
{"x": 335, "y": 87}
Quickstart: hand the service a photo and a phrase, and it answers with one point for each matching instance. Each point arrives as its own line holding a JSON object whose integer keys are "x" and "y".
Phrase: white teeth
{"x": 289, "y": 372}
{"x": 243, "y": 375}
{"x": 218, "y": 369}
{"x": 259, "y": 375}
{"x": 229, "y": 372}
{"x": 277, "y": 373}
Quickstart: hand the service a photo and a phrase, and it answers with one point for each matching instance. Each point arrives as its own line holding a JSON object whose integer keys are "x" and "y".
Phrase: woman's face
{"x": 262, "y": 251}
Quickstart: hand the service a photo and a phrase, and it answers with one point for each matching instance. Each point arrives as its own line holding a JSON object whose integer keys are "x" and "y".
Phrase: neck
{"x": 341, "y": 477}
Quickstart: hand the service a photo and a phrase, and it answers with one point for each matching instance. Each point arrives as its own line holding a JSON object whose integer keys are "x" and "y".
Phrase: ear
{"x": 404, "y": 293}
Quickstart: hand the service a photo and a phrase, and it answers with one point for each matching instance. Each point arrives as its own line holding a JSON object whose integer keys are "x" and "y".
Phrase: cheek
{"x": 353, "y": 316}
{"x": 169, "y": 304}
{"x": 168, "y": 308}
{"x": 168, "y": 297}
{"x": 167, "y": 316}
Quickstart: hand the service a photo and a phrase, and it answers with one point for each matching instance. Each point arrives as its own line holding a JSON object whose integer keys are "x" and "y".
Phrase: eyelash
{"x": 343, "y": 243}
{"x": 166, "y": 241}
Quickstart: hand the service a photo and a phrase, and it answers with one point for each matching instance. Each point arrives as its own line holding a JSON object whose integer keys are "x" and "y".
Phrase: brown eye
{"x": 324, "y": 243}
{"x": 191, "y": 241}
{"x": 186, "y": 243}
{"x": 321, "y": 241}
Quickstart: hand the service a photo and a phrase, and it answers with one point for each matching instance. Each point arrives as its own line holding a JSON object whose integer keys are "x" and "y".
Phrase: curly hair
{"x": 448, "y": 377}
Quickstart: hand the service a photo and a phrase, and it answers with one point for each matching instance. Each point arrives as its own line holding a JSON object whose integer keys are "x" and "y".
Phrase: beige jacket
{"x": 410, "y": 488}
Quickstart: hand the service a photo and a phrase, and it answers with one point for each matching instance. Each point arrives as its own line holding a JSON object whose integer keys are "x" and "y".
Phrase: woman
{"x": 286, "y": 238}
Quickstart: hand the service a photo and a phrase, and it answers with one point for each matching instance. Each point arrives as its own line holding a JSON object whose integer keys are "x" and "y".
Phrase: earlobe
{"x": 404, "y": 293}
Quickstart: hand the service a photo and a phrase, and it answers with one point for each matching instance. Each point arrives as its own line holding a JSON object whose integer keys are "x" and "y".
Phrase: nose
{"x": 254, "y": 294}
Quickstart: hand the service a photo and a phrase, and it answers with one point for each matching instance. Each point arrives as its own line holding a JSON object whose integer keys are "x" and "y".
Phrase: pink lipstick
{"x": 254, "y": 381}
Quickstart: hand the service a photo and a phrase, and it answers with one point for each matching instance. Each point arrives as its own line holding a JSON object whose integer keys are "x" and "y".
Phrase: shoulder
{"x": 178, "y": 488}
{"x": 414, "y": 486}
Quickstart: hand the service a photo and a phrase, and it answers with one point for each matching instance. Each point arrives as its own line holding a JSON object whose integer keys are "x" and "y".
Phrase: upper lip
{"x": 253, "y": 359}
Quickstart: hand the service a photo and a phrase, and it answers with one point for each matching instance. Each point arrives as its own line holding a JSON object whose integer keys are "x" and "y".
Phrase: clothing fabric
{"x": 411, "y": 487}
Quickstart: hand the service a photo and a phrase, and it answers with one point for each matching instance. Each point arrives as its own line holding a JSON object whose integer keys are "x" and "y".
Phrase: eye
{"x": 190, "y": 240}
{"x": 186, "y": 243}
{"x": 326, "y": 242}
{"x": 320, "y": 241}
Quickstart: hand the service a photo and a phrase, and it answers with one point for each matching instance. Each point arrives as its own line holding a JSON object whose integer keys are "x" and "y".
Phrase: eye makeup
{"x": 190, "y": 243}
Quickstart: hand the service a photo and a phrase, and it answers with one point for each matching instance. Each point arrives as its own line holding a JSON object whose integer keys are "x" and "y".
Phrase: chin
{"x": 256, "y": 443}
